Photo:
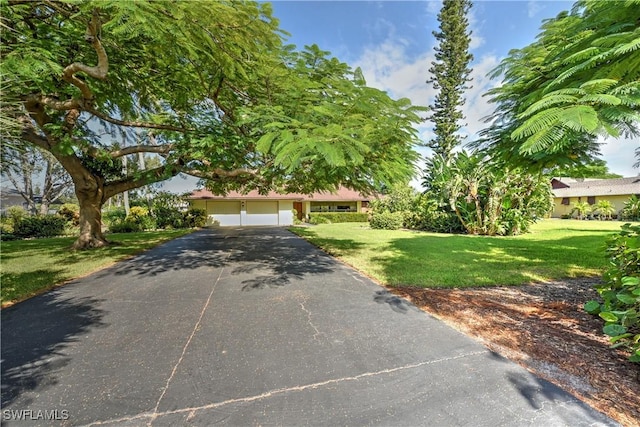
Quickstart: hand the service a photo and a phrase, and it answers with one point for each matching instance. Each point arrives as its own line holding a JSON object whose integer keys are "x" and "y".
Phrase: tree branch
{"x": 92, "y": 36}
{"x": 159, "y": 149}
{"x": 127, "y": 123}
{"x": 219, "y": 173}
{"x": 147, "y": 177}
{"x": 53, "y": 103}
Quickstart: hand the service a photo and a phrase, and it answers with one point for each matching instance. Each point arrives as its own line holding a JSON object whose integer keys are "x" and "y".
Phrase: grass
{"x": 554, "y": 249}
{"x": 29, "y": 267}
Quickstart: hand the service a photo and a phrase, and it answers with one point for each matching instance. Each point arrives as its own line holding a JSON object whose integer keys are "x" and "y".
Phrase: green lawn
{"x": 27, "y": 267}
{"x": 554, "y": 249}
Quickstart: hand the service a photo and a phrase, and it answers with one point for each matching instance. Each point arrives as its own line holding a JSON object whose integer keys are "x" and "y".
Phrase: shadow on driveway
{"x": 33, "y": 346}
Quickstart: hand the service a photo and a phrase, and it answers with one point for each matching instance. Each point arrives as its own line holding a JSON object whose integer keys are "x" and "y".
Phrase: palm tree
{"x": 605, "y": 208}
{"x": 581, "y": 208}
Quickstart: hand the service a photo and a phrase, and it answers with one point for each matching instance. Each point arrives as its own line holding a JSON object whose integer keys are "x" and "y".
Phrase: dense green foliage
{"x": 449, "y": 74}
{"x": 578, "y": 80}
{"x": 401, "y": 199}
{"x": 140, "y": 218}
{"x": 631, "y": 210}
{"x": 604, "y": 209}
{"x": 70, "y": 212}
{"x": 208, "y": 88}
{"x": 39, "y": 226}
{"x": 620, "y": 292}
{"x": 386, "y": 220}
{"x": 487, "y": 197}
{"x": 336, "y": 217}
{"x": 592, "y": 168}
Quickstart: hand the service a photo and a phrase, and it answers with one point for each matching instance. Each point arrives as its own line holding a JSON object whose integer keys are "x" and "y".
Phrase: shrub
{"x": 140, "y": 216}
{"x": 39, "y": 226}
{"x": 318, "y": 219}
{"x": 70, "y": 212}
{"x": 16, "y": 213}
{"x": 430, "y": 217}
{"x": 113, "y": 215}
{"x": 168, "y": 217}
{"x": 168, "y": 210}
{"x": 386, "y": 220}
{"x": 195, "y": 217}
{"x": 620, "y": 292}
{"x": 137, "y": 220}
{"x": 6, "y": 224}
{"x": 631, "y": 210}
{"x": 337, "y": 217}
{"x": 125, "y": 226}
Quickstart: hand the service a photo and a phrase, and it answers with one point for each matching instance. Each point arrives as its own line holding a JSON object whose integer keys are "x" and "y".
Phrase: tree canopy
{"x": 579, "y": 80}
{"x": 209, "y": 87}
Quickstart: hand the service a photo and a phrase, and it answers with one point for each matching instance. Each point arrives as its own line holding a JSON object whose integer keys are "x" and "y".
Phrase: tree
{"x": 35, "y": 173}
{"x": 581, "y": 208}
{"x": 490, "y": 198}
{"x": 604, "y": 208}
{"x": 206, "y": 87}
{"x": 578, "y": 80}
{"x": 450, "y": 74}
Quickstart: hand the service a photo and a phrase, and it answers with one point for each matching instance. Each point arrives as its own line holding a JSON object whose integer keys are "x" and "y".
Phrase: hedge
{"x": 335, "y": 217}
{"x": 39, "y": 226}
{"x": 386, "y": 220}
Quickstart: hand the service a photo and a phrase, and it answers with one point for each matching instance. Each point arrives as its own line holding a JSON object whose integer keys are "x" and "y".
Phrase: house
{"x": 236, "y": 209}
{"x": 567, "y": 191}
{"x": 11, "y": 197}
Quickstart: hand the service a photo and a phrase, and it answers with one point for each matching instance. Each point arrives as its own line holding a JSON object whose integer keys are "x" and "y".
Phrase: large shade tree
{"x": 579, "y": 80}
{"x": 208, "y": 87}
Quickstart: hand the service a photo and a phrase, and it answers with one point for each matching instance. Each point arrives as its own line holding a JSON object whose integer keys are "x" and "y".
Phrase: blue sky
{"x": 392, "y": 42}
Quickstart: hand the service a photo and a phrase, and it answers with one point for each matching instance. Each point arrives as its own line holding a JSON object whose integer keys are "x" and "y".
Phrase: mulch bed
{"x": 544, "y": 328}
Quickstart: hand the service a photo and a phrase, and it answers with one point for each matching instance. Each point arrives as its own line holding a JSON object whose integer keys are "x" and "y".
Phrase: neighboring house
{"x": 567, "y": 191}
{"x": 11, "y": 197}
{"x": 273, "y": 209}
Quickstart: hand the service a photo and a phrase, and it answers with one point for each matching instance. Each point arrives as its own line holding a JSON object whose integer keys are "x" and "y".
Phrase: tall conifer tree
{"x": 449, "y": 74}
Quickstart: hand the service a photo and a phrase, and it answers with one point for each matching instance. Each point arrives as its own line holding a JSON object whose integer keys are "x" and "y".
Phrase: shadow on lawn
{"x": 35, "y": 335}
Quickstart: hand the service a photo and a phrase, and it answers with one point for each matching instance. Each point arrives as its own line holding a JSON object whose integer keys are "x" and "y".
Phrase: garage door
{"x": 262, "y": 213}
{"x": 225, "y": 213}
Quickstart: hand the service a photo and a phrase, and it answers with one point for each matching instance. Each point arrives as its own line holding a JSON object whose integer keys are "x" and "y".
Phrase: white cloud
{"x": 620, "y": 155}
{"x": 533, "y": 8}
{"x": 475, "y": 27}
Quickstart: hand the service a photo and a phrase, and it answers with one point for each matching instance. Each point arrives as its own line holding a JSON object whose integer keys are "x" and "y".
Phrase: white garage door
{"x": 226, "y": 213}
{"x": 262, "y": 213}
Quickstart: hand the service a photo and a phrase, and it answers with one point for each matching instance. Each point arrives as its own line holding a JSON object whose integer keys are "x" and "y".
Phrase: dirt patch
{"x": 544, "y": 328}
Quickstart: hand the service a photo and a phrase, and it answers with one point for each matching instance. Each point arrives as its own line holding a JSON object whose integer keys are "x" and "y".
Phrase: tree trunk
{"x": 90, "y": 219}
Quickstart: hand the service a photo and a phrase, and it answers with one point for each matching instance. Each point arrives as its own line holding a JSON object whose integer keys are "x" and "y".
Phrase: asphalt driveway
{"x": 254, "y": 327}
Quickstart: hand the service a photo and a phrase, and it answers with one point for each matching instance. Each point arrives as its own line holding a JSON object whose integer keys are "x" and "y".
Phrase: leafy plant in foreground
{"x": 621, "y": 292}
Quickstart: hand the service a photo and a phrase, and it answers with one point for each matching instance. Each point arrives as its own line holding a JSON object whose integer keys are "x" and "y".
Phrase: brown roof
{"x": 341, "y": 195}
{"x": 598, "y": 187}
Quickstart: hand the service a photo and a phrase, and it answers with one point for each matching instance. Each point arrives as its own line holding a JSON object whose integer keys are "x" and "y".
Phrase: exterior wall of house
{"x": 246, "y": 212}
{"x": 285, "y": 212}
{"x": 560, "y": 209}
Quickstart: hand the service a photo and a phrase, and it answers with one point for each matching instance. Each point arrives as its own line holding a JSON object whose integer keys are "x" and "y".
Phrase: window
{"x": 333, "y": 207}
{"x": 565, "y": 201}
{"x": 591, "y": 200}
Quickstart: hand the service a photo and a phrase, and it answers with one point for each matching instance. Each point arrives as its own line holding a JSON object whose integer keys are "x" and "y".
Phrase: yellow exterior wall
{"x": 559, "y": 209}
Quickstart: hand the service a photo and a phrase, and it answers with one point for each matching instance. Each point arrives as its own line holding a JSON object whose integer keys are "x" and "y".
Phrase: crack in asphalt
{"x": 184, "y": 349}
{"x": 314, "y": 327}
{"x": 191, "y": 411}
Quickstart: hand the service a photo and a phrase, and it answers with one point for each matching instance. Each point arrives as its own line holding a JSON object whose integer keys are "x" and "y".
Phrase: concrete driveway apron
{"x": 254, "y": 326}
